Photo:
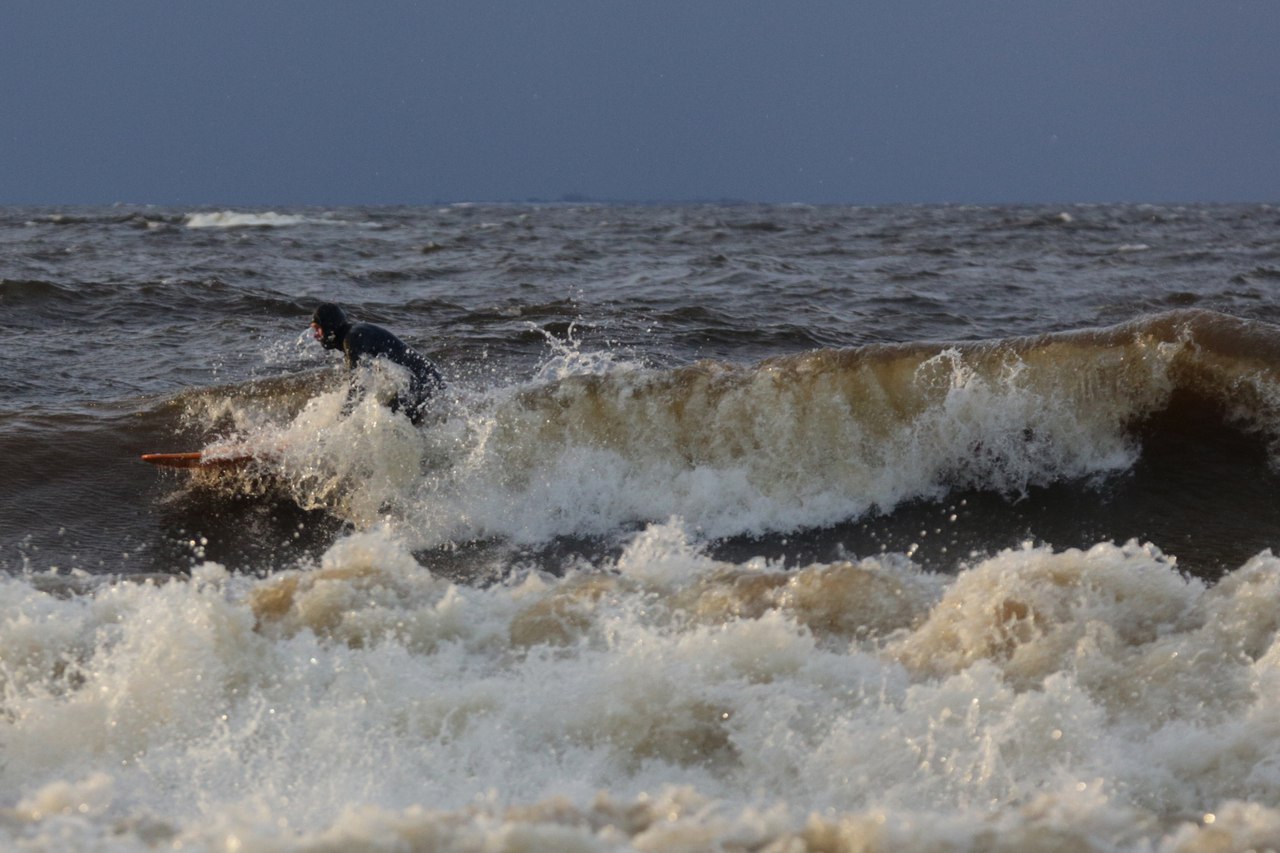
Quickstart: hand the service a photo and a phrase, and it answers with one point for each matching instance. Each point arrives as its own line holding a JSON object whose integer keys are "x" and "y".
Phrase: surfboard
{"x": 198, "y": 459}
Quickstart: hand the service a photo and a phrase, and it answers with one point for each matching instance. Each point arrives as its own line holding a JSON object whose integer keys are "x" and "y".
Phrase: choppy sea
{"x": 758, "y": 528}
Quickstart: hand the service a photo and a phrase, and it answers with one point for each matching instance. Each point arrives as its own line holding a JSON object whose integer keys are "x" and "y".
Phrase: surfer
{"x": 361, "y": 341}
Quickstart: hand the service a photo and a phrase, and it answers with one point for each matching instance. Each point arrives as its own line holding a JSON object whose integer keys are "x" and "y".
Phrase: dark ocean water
{"x": 831, "y": 525}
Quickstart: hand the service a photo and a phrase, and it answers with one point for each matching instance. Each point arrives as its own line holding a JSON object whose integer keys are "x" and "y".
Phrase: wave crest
{"x": 804, "y": 440}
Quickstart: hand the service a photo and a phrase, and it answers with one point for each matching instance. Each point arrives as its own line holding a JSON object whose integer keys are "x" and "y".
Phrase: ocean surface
{"x": 751, "y": 528}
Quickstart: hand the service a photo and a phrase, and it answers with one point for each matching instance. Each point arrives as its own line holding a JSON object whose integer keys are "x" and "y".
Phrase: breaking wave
{"x": 787, "y": 443}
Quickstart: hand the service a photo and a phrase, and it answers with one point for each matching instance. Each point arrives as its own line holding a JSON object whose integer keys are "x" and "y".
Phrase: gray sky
{"x": 276, "y": 102}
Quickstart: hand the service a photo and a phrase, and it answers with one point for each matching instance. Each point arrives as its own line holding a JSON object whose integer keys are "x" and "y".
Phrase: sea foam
{"x": 665, "y": 699}
{"x": 255, "y": 219}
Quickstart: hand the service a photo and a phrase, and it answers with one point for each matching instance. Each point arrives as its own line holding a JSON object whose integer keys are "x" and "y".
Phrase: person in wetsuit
{"x": 361, "y": 341}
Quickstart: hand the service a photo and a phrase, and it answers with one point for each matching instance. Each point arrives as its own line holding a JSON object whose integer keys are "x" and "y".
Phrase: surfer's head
{"x": 329, "y": 325}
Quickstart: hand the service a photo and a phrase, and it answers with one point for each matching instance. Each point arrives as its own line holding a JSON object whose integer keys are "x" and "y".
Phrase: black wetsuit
{"x": 360, "y": 341}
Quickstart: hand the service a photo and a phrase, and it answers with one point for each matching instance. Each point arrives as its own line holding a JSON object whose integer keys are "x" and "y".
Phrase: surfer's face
{"x": 316, "y": 331}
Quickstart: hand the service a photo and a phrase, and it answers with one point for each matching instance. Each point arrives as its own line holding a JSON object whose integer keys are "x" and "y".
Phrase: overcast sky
{"x": 278, "y": 102}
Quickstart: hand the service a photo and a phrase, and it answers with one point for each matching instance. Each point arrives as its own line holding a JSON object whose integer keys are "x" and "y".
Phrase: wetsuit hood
{"x": 333, "y": 325}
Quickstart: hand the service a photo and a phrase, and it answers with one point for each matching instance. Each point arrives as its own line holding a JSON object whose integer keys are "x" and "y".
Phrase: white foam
{"x": 1088, "y": 699}
{"x": 259, "y": 219}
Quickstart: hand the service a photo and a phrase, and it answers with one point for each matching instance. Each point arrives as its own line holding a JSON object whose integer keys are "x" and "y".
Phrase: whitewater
{"x": 738, "y": 528}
